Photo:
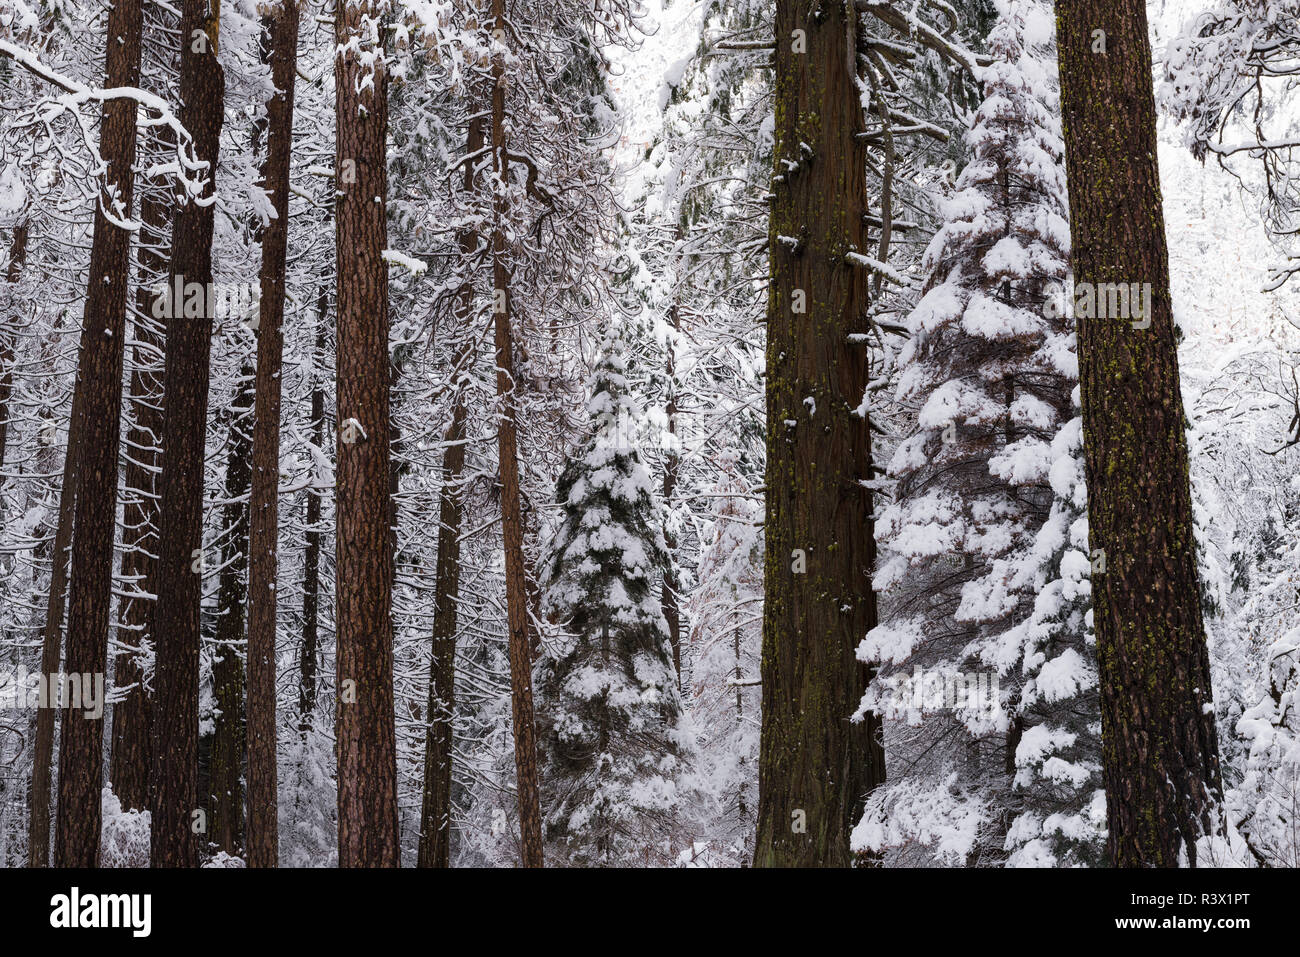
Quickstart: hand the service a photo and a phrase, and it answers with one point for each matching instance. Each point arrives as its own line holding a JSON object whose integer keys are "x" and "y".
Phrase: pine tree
{"x": 280, "y": 49}
{"x": 367, "y": 750}
{"x": 609, "y": 703}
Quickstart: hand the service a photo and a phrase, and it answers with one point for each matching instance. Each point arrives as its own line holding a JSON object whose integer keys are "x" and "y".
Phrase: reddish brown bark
{"x": 367, "y": 775}
{"x": 435, "y": 811}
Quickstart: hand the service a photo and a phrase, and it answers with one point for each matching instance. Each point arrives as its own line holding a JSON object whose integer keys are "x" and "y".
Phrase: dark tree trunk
{"x": 1160, "y": 752}
{"x": 435, "y": 812}
{"x": 367, "y": 773}
{"x": 99, "y": 371}
{"x": 435, "y": 815}
{"x": 263, "y": 839}
{"x": 226, "y": 759}
{"x": 38, "y": 832}
{"x": 174, "y": 797}
{"x": 312, "y": 538}
{"x": 521, "y": 680}
{"x": 815, "y": 765}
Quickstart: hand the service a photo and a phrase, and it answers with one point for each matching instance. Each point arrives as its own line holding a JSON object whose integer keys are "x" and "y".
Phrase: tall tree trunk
{"x": 174, "y": 797}
{"x": 815, "y": 765}
{"x": 226, "y": 760}
{"x": 1160, "y": 752}
{"x": 435, "y": 812}
{"x": 367, "y": 774}
{"x": 521, "y": 679}
{"x": 38, "y": 826}
{"x": 312, "y": 537}
{"x": 263, "y": 826}
{"x": 99, "y": 371}
{"x": 17, "y": 259}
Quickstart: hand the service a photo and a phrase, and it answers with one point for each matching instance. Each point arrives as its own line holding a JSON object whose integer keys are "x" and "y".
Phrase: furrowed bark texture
{"x": 1160, "y": 751}
{"x": 512, "y": 522}
{"x": 174, "y": 789}
{"x": 99, "y": 369}
{"x": 367, "y": 750}
{"x": 815, "y": 765}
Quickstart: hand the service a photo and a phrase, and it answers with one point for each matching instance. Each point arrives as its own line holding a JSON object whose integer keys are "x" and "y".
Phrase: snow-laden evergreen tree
{"x": 973, "y": 666}
{"x": 1061, "y": 818}
{"x": 612, "y": 739}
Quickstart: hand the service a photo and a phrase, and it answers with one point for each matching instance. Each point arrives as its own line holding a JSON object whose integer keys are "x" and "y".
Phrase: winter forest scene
{"x": 649, "y": 433}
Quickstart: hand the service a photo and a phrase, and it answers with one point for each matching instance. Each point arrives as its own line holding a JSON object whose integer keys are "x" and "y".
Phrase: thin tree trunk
{"x": 38, "y": 828}
{"x": 521, "y": 681}
{"x": 1160, "y": 754}
{"x": 312, "y": 536}
{"x": 815, "y": 765}
{"x": 226, "y": 761}
{"x": 174, "y": 797}
{"x": 263, "y": 826}
{"x": 435, "y": 812}
{"x": 130, "y": 754}
{"x": 99, "y": 371}
{"x": 668, "y": 594}
{"x": 367, "y": 774}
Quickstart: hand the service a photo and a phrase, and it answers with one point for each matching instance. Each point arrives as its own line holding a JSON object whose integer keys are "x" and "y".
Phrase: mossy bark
{"x": 1160, "y": 752}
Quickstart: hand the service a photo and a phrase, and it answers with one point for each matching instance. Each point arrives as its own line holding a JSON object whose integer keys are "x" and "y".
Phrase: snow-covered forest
{"x": 707, "y": 433}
